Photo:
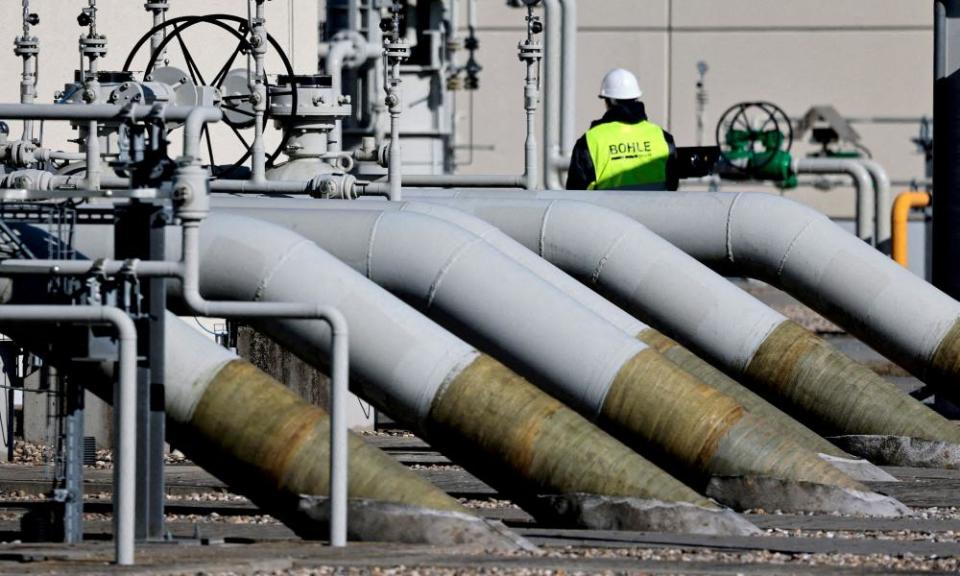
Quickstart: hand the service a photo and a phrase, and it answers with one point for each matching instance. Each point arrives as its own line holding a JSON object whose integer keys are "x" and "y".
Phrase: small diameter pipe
{"x": 193, "y": 117}
{"x": 899, "y": 219}
{"x": 883, "y": 202}
{"x": 862, "y": 184}
{"x": 338, "y": 53}
{"x": 551, "y": 121}
{"x": 258, "y": 88}
{"x": 568, "y": 92}
{"x": 125, "y": 437}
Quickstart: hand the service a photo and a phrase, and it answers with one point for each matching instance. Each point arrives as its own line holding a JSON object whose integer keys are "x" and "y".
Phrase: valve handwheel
{"x": 236, "y": 104}
{"x": 751, "y": 134}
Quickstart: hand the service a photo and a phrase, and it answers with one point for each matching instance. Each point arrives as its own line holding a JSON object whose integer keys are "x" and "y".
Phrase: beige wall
{"x": 866, "y": 57}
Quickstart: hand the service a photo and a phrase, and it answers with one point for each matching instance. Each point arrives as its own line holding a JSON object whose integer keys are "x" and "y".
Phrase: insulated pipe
{"x": 883, "y": 201}
{"x": 551, "y": 120}
{"x": 791, "y": 368}
{"x": 422, "y": 375}
{"x": 125, "y": 399}
{"x": 270, "y": 208}
{"x": 599, "y": 370}
{"x": 866, "y": 211}
{"x": 900, "y": 216}
{"x": 568, "y": 92}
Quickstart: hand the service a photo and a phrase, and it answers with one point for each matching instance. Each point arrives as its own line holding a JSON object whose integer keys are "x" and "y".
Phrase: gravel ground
{"x": 774, "y": 560}
{"x": 30, "y": 454}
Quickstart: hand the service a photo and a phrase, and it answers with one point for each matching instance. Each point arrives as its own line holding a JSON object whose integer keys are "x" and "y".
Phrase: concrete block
{"x": 750, "y": 492}
{"x": 375, "y": 521}
{"x": 860, "y": 470}
{"x": 621, "y": 513}
{"x": 310, "y": 384}
{"x": 901, "y": 451}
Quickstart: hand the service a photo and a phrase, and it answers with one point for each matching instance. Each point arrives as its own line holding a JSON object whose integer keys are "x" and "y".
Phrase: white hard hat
{"x": 620, "y": 84}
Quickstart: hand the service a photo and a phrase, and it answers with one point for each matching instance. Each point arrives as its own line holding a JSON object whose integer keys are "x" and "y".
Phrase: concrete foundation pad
{"x": 859, "y": 469}
{"x": 901, "y": 450}
{"x": 752, "y": 492}
{"x": 622, "y": 513}
{"x": 375, "y": 521}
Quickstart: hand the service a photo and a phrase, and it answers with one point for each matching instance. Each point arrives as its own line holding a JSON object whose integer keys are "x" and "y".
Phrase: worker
{"x": 623, "y": 150}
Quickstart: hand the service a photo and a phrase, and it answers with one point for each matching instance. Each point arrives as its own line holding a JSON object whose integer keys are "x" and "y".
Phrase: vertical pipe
{"x": 338, "y": 430}
{"x": 258, "y": 88}
{"x": 568, "y": 105}
{"x": 900, "y": 217}
{"x": 883, "y": 202}
{"x": 551, "y": 148}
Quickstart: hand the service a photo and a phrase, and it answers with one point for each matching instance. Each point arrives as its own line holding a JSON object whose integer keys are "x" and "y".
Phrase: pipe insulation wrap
{"x": 868, "y": 403}
{"x": 647, "y": 401}
{"x": 263, "y": 440}
{"x": 568, "y": 285}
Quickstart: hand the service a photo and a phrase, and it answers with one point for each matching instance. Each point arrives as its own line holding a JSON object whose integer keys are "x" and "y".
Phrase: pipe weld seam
{"x": 371, "y": 242}
{"x": 542, "y": 237}
{"x": 595, "y": 275}
{"x": 793, "y": 242}
{"x": 447, "y": 266}
{"x": 265, "y": 279}
{"x": 729, "y": 228}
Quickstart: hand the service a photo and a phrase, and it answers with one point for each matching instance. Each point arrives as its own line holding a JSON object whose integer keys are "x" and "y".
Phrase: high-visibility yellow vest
{"x": 627, "y": 155}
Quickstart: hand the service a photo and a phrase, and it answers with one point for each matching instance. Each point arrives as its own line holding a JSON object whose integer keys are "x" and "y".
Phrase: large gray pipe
{"x": 862, "y": 184}
{"x": 651, "y": 278}
{"x": 420, "y": 374}
{"x": 606, "y": 374}
{"x": 276, "y": 209}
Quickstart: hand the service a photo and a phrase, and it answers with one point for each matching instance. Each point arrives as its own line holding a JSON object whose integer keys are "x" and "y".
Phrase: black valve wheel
{"x": 236, "y": 103}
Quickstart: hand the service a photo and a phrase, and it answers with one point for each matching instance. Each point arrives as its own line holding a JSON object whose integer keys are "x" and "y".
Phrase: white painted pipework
{"x": 862, "y": 184}
{"x": 551, "y": 121}
{"x": 125, "y": 436}
{"x": 883, "y": 200}
{"x": 568, "y": 92}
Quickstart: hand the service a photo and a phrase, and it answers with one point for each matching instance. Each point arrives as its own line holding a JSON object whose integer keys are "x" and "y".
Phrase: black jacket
{"x": 582, "y": 172}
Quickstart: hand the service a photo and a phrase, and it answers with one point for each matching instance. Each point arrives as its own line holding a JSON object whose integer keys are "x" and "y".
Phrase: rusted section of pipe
{"x": 755, "y": 404}
{"x": 899, "y": 218}
{"x": 271, "y": 446}
{"x": 834, "y": 395}
{"x": 698, "y": 432}
{"x": 510, "y": 423}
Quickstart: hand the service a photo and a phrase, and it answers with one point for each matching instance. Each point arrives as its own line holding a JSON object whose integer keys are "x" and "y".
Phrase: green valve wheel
{"x": 755, "y": 139}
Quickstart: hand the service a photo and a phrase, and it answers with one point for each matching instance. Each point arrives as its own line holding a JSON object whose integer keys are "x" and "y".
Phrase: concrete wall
{"x": 866, "y": 57}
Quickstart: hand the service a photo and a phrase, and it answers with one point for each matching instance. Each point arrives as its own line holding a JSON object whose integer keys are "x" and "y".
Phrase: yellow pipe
{"x": 901, "y": 213}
